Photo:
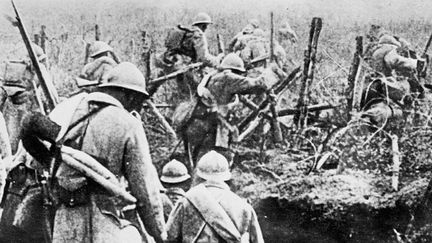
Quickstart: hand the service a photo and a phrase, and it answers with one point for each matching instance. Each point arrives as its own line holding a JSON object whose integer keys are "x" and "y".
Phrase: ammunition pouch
{"x": 78, "y": 197}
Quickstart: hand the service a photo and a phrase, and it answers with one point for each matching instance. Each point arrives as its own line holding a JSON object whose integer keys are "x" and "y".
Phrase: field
{"x": 70, "y": 24}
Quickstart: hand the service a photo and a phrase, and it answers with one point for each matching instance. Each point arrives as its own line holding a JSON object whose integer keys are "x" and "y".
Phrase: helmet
{"x": 254, "y": 23}
{"x": 233, "y": 61}
{"x": 126, "y": 75}
{"x": 202, "y": 18}
{"x": 213, "y": 166}
{"x": 174, "y": 172}
{"x": 99, "y": 47}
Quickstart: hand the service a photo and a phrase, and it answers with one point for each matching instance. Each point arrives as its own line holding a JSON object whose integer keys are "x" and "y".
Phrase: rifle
{"x": 221, "y": 46}
{"x": 288, "y": 111}
{"x": 155, "y": 83}
{"x": 161, "y": 119}
{"x": 277, "y": 132}
{"x": 421, "y": 70}
{"x": 47, "y": 201}
{"x": 257, "y": 61}
{"x": 35, "y": 62}
{"x": 308, "y": 71}
{"x": 427, "y": 46}
{"x": 295, "y": 74}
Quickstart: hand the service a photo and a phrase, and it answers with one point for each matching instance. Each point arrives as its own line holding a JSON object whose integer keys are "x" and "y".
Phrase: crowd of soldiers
{"x": 103, "y": 121}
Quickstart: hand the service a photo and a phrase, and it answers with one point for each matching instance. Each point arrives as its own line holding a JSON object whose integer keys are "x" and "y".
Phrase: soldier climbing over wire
{"x": 207, "y": 125}
{"x": 244, "y": 34}
{"x": 185, "y": 46}
{"x": 394, "y": 81}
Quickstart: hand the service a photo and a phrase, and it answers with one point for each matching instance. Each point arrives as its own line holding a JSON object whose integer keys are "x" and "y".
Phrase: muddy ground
{"x": 356, "y": 205}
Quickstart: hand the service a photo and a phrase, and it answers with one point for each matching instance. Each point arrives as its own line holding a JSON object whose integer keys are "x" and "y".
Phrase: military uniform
{"x": 98, "y": 69}
{"x": 99, "y": 125}
{"x": 256, "y": 46}
{"x": 174, "y": 177}
{"x": 97, "y": 220}
{"x": 246, "y": 31}
{"x": 209, "y": 125}
{"x": 21, "y": 217}
{"x": 210, "y": 212}
{"x": 186, "y": 46}
{"x": 102, "y": 63}
{"x": 170, "y": 197}
{"x": 394, "y": 79}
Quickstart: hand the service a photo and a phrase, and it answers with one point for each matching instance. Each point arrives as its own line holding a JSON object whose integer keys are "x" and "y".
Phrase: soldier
{"x": 210, "y": 212}
{"x": 254, "y": 50}
{"x": 252, "y": 47}
{"x": 175, "y": 180}
{"x": 100, "y": 125}
{"x": 102, "y": 63}
{"x": 286, "y": 33}
{"x": 394, "y": 82}
{"x": 185, "y": 46}
{"x": 376, "y": 32}
{"x": 209, "y": 125}
{"x": 21, "y": 88}
{"x": 246, "y": 32}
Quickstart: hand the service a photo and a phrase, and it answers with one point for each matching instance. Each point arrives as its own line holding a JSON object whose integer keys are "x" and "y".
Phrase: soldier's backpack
{"x": 15, "y": 73}
{"x": 179, "y": 41}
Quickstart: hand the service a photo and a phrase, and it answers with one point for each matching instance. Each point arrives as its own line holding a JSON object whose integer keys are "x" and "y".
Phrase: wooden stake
{"x": 43, "y": 38}
{"x": 97, "y": 32}
{"x": 355, "y": 85}
{"x": 396, "y": 161}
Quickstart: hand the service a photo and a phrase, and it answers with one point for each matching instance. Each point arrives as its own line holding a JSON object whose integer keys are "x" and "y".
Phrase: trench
{"x": 284, "y": 221}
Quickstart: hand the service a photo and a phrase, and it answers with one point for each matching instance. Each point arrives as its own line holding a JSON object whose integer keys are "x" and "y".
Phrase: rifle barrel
{"x": 427, "y": 45}
{"x": 33, "y": 58}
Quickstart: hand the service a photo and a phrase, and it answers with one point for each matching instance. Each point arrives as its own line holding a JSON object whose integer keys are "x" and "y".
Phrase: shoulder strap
{"x": 83, "y": 121}
{"x": 213, "y": 214}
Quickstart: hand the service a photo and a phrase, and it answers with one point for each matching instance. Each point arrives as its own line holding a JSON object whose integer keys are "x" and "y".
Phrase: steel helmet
{"x": 126, "y": 75}
{"x": 99, "y": 47}
{"x": 254, "y": 23}
{"x": 202, "y": 18}
{"x": 213, "y": 166}
{"x": 233, "y": 61}
{"x": 174, "y": 172}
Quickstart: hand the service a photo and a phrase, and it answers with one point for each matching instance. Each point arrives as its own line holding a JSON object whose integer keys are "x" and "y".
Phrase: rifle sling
{"x": 213, "y": 214}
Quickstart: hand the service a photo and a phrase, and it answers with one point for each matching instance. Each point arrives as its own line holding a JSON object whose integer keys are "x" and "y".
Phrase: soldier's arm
{"x": 202, "y": 51}
{"x": 255, "y": 229}
{"x": 233, "y": 42}
{"x": 174, "y": 224}
{"x": 96, "y": 69}
{"x": 6, "y": 150}
{"x": 400, "y": 63}
{"x": 144, "y": 183}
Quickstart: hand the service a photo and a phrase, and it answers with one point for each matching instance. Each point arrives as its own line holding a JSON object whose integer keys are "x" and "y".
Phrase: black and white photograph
{"x": 219, "y": 121}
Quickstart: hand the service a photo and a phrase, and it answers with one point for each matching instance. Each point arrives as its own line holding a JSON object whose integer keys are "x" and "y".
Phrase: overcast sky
{"x": 389, "y": 9}
{"x": 367, "y": 11}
